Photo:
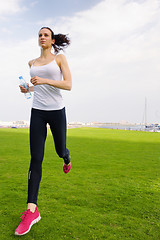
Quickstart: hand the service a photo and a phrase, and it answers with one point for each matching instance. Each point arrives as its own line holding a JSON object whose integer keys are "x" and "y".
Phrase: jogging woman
{"x": 48, "y": 107}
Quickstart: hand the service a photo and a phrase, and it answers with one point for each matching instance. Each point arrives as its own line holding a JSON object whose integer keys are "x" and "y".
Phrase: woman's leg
{"x": 58, "y": 125}
{"x": 38, "y": 133}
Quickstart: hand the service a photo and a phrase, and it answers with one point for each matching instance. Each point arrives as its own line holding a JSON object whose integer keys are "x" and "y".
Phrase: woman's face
{"x": 45, "y": 38}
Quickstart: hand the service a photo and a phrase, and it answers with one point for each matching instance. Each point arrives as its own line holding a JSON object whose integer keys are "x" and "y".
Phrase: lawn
{"x": 112, "y": 191}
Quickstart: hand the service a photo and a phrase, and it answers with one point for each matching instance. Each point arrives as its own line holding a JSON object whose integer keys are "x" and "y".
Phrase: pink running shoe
{"x": 28, "y": 219}
{"x": 66, "y": 168}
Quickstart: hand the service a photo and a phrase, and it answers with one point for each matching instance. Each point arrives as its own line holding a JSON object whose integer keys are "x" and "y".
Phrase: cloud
{"x": 113, "y": 58}
{"x": 13, "y": 105}
{"x": 6, "y": 30}
{"x": 9, "y": 7}
{"x": 34, "y": 3}
{"x": 117, "y": 31}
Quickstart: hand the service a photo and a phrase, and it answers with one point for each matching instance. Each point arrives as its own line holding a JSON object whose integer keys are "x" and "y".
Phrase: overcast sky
{"x": 114, "y": 56}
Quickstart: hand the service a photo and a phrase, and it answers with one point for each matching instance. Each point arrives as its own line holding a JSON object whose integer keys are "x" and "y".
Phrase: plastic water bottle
{"x": 24, "y": 84}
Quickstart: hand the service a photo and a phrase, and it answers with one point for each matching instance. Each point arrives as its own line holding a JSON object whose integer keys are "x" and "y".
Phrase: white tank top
{"x": 47, "y": 97}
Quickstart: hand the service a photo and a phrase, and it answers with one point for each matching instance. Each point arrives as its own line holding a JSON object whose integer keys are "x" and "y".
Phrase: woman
{"x": 48, "y": 107}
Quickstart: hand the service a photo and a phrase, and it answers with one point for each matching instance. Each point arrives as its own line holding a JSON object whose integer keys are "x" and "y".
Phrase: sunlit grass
{"x": 112, "y": 191}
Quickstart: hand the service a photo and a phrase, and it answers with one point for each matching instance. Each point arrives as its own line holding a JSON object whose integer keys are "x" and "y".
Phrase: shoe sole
{"x": 32, "y": 223}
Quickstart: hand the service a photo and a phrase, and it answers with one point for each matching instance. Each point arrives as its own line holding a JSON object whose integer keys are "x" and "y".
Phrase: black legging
{"x": 38, "y": 132}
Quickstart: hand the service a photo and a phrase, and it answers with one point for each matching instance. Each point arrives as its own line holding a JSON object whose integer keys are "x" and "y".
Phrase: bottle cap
{"x": 20, "y": 77}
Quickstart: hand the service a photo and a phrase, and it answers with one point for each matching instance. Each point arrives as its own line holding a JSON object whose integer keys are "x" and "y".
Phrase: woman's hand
{"x": 23, "y": 89}
{"x": 37, "y": 80}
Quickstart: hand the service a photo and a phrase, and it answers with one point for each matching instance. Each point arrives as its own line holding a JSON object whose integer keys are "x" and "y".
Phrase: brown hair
{"x": 61, "y": 40}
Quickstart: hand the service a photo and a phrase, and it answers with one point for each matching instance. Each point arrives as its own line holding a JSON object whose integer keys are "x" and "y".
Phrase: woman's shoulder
{"x": 60, "y": 58}
{"x": 30, "y": 63}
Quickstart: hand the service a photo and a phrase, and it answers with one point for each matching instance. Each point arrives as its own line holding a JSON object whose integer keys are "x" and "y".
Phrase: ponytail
{"x": 61, "y": 41}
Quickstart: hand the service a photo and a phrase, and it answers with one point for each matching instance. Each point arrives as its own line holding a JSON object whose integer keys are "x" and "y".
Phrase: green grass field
{"x": 112, "y": 191}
